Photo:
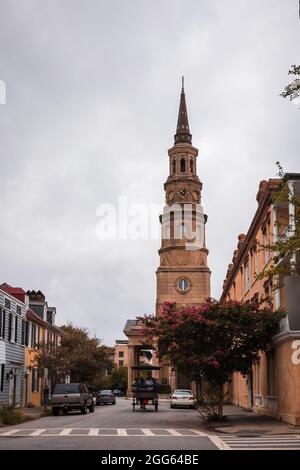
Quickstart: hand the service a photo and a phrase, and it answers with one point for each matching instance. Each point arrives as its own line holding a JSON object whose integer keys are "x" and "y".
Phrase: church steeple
{"x": 183, "y": 130}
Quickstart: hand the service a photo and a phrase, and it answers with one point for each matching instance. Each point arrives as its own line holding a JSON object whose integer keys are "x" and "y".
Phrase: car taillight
{"x": 174, "y": 398}
{"x": 191, "y": 398}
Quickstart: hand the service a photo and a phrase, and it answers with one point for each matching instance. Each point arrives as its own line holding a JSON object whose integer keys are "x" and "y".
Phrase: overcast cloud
{"x": 92, "y": 100}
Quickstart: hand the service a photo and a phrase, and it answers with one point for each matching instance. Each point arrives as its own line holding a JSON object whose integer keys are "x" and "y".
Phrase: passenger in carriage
{"x": 141, "y": 382}
{"x": 149, "y": 382}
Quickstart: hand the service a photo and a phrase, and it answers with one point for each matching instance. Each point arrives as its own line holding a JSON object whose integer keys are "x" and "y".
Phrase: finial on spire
{"x": 183, "y": 130}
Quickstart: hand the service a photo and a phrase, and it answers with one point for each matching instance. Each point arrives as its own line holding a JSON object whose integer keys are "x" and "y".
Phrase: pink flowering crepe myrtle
{"x": 213, "y": 340}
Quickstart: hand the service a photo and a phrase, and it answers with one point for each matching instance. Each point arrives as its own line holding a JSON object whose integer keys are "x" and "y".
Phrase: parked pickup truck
{"x": 67, "y": 397}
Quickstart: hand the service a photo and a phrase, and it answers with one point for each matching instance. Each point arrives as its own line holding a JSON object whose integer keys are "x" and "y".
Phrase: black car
{"x": 105, "y": 396}
{"x": 118, "y": 393}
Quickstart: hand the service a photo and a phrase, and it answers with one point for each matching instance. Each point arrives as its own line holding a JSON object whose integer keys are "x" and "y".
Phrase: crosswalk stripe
{"x": 262, "y": 443}
{"x": 199, "y": 433}
{"x": 103, "y": 432}
{"x": 10, "y": 433}
{"x": 147, "y": 432}
{"x": 37, "y": 432}
{"x": 65, "y": 432}
{"x": 219, "y": 442}
{"x": 173, "y": 432}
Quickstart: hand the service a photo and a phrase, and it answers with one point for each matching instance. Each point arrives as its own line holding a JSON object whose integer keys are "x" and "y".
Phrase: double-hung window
{"x": 11, "y": 327}
{"x": 35, "y": 336}
{"x": 247, "y": 275}
{"x": 35, "y": 380}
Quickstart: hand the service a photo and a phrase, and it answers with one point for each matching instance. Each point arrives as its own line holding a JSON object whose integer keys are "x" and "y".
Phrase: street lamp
{"x": 10, "y": 374}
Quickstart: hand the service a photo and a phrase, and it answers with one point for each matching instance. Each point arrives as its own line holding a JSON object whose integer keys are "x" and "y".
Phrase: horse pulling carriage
{"x": 145, "y": 394}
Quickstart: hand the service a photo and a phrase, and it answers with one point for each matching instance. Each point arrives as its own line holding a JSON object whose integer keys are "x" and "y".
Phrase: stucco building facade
{"x": 121, "y": 353}
{"x": 273, "y": 386}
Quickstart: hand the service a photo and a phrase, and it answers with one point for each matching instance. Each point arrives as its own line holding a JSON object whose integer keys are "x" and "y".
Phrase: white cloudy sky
{"x": 92, "y": 100}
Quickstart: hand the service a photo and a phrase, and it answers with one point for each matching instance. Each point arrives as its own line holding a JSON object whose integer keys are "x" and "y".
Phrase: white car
{"x": 182, "y": 397}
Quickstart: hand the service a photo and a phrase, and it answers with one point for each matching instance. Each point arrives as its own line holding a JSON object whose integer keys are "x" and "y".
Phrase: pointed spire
{"x": 183, "y": 130}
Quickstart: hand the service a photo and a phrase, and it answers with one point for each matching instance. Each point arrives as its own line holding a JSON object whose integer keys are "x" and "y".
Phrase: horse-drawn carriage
{"x": 145, "y": 394}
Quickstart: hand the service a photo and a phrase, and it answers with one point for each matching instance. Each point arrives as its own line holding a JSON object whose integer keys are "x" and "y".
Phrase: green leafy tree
{"x": 293, "y": 89}
{"x": 83, "y": 358}
{"x": 119, "y": 378}
{"x": 285, "y": 250}
{"x": 210, "y": 342}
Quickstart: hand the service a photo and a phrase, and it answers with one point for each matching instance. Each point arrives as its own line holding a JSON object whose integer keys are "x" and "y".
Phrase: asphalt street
{"x": 112, "y": 427}
{"x": 116, "y": 427}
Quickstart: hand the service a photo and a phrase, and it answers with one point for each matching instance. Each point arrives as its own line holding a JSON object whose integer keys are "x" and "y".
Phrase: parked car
{"x": 105, "y": 396}
{"x": 74, "y": 396}
{"x": 118, "y": 393}
{"x": 94, "y": 398}
{"x": 182, "y": 397}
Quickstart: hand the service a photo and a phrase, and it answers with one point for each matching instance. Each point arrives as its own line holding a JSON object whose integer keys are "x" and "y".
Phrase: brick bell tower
{"x": 183, "y": 275}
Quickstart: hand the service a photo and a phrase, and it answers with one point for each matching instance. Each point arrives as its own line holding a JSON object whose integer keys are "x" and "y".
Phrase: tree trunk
{"x": 220, "y": 403}
{"x": 198, "y": 391}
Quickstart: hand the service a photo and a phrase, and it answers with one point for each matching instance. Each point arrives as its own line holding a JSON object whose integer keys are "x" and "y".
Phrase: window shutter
{"x": 33, "y": 380}
{"x": 16, "y": 329}
{"x": 29, "y": 333}
{"x": 9, "y": 326}
{"x": 36, "y": 339}
{"x": 32, "y": 335}
{"x": 26, "y": 333}
{"x": 3, "y": 323}
{"x": 2, "y": 377}
{"x": 23, "y": 332}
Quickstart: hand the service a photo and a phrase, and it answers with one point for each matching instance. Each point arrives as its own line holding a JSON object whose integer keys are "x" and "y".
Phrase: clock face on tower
{"x": 195, "y": 196}
{"x": 182, "y": 193}
{"x": 170, "y": 195}
{"x": 183, "y": 285}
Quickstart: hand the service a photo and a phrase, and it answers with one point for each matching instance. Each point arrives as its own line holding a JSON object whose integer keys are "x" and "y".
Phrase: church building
{"x": 183, "y": 275}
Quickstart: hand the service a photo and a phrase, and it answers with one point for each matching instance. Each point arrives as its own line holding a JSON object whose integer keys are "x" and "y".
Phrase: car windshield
{"x": 182, "y": 392}
{"x": 105, "y": 392}
{"x": 66, "y": 388}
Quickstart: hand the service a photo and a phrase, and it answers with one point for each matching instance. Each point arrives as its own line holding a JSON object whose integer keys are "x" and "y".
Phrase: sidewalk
{"x": 245, "y": 423}
{"x": 34, "y": 412}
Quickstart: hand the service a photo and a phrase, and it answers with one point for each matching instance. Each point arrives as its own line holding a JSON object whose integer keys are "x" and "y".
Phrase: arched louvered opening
{"x": 174, "y": 167}
{"x": 191, "y": 166}
{"x": 182, "y": 165}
